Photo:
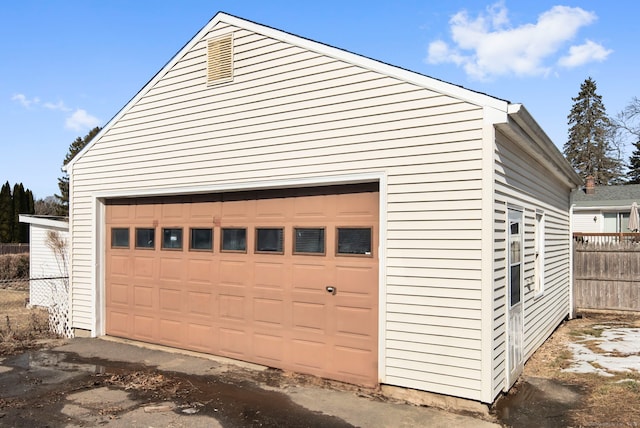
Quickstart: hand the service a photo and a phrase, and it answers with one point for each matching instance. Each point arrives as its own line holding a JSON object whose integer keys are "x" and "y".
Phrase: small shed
{"x": 46, "y": 266}
{"x": 269, "y": 198}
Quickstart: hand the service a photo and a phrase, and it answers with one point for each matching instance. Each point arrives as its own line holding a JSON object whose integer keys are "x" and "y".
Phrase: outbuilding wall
{"x": 292, "y": 115}
{"x": 523, "y": 183}
{"x": 46, "y": 268}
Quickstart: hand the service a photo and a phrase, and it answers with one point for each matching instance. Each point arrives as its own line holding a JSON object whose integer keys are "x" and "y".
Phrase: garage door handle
{"x": 331, "y": 290}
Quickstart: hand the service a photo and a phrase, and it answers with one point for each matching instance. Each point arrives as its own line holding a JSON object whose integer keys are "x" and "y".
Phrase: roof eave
{"x": 540, "y": 145}
{"x": 43, "y": 221}
{"x": 374, "y": 65}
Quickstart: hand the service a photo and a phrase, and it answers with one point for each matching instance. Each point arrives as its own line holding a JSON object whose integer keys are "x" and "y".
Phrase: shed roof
{"x": 56, "y": 222}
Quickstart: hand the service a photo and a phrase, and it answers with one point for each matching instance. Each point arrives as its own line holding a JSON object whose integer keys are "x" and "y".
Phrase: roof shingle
{"x": 619, "y": 195}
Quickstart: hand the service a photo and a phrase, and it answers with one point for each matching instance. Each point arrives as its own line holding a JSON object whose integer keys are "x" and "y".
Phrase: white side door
{"x": 515, "y": 268}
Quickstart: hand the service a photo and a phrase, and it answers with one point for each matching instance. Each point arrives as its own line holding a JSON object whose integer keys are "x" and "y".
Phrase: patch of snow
{"x": 625, "y": 341}
{"x": 583, "y": 357}
{"x": 622, "y": 340}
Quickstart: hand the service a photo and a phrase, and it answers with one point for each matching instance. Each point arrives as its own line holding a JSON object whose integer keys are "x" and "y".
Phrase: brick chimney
{"x": 590, "y": 188}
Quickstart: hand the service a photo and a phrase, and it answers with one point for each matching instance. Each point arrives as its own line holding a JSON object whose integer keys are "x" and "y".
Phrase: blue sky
{"x": 69, "y": 65}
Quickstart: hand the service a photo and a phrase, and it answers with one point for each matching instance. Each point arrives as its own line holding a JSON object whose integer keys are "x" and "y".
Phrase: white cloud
{"x": 439, "y": 51}
{"x": 488, "y": 46}
{"x": 81, "y": 120}
{"x": 582, "y": 54}
{"x": 26, "y": 102}
{"x": 57, "y": 106}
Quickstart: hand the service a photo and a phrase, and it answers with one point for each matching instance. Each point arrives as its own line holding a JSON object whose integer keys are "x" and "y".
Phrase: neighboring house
{"x": 272, "y": 199}
{"x": 603, "y": 209}
{"x": 45, "y": 265}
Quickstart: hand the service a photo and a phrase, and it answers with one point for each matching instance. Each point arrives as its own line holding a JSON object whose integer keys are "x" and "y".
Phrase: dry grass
{"x": 608, "y": 401}
{"x": 20, "y": 326}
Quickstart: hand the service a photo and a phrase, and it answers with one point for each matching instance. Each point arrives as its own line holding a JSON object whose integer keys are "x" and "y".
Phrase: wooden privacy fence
{"x": 606, "y": 271}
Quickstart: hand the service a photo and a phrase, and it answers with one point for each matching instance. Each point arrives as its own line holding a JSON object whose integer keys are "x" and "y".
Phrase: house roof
{"x": 607, "y": 196}
{"x": 502, "y": 107}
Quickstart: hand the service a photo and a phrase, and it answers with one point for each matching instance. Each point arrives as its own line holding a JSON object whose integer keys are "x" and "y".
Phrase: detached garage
{"x": 276, "y": 200}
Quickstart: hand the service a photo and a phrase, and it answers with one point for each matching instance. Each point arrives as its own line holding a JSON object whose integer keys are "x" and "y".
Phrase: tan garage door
{"x": 288, "y": 279}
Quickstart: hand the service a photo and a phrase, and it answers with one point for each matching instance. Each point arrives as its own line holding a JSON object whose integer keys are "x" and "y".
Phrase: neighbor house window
{"x": 307, "y": 240}
{"x": 120, "y": 237}
{"x": 145, "y": 237}
{"x": 201, "y": 239}
{"x": 172, "y": 238}
{"x": 234, "y": 239}
{"x": 539, "y": 253}
{"x": 354, "y": 241}
{"x": 269, "y": 240}
{"x": 616, "y": 222}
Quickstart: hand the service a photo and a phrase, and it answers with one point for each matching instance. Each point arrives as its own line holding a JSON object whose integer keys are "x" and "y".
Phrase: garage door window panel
{"x": 120, "y": 237}
{"x": 354, "y": 241}
{"x": 201, "y": 239}
{"x": 309, "y": 241}
{"x": 234, "y": 239}
{"x": 172, "y": 238}
{"x": 145, "y": 238}
{"x": 270, "y": 240}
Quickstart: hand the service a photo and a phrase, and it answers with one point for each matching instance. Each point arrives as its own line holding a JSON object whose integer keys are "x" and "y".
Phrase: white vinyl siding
{"x": 291, "y": 114}
{"x": 522, "y": 181}
{"x": 603, "y": 220}
{"x": 43, "y": 263}
{"x": 583, "y": 221}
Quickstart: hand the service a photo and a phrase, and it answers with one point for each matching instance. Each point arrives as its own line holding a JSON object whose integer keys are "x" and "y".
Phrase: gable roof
{"x": 542, "y": 146}
{"x": 622, "y": 195}
{"x": 437, "y": 85}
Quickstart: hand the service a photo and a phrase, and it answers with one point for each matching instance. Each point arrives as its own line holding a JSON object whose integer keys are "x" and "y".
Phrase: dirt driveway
{"x": 586, "y": 375}
{"x": 90, "y": 382}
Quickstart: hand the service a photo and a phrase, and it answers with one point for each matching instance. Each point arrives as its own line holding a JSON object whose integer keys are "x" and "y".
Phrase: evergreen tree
{"x": 19, "y": 201}
{"x": 589, "y": 148}
{"x": 6, "y": 214}
{"x": 30, "y": 202}
{"x": 634, "y": 165}
{"x": 22, "y": 204}
{"x": 63, "y": 182}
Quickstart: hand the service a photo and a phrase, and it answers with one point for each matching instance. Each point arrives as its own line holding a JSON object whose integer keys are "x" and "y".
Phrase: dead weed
{"x": 608, "y": 401}
{"x": 139, "y": 381}
{"x": 21, "y": 327}
{"x": 152, "y": 383}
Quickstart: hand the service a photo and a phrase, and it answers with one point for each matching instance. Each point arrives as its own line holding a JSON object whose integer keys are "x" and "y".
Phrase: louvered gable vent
{"x": 220, "y": 59}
